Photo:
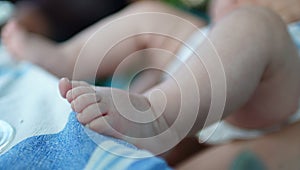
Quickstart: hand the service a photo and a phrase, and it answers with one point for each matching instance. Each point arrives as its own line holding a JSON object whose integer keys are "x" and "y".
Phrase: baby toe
{"x": 92, "y": 112}
{"x": 78, "y": 91}
{"x": 83, "y": 101}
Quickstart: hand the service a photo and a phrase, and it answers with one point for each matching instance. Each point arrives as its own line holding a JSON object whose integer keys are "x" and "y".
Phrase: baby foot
{"x": 23, "y": 45}
{"x": 114, "y": 112}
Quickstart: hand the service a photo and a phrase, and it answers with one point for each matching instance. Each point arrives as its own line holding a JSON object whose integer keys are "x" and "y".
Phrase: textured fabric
{"x": 69, "y": 149}
{"x": 149, "y": 164}
{"x": 72, "y": 149}
{"x": 121, "y": 157}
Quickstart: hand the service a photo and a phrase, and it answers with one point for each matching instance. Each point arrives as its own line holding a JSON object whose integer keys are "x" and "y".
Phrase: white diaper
{"x": 223, "y": 132}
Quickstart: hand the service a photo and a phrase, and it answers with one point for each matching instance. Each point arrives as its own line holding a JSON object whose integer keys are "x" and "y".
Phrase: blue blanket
{"x": 72, "y": 148}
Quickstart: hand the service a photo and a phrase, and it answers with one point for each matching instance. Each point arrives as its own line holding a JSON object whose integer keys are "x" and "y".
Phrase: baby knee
{"x": 260, "y": 16}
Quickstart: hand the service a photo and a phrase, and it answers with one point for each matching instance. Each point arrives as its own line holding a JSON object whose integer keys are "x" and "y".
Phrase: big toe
{"x": 64, "y": 86}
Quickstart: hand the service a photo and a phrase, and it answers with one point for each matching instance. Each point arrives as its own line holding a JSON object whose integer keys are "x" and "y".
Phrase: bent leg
{"x": 105, "y": 40}
{"x": 261, "y": 66}
{"x": 268, "y": 149}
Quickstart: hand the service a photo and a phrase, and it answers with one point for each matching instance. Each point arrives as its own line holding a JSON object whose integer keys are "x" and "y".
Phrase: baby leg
{"x": 261, "y": 66}
{"x": 60, "y": 59}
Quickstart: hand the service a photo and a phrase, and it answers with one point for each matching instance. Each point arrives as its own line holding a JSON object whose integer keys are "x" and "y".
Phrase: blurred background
{"x": 58, "y": 19}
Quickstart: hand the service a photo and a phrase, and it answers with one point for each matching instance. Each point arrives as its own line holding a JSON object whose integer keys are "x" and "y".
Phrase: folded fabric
{"x": 72, "y": 148}
{"x": 294, "y": 30}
